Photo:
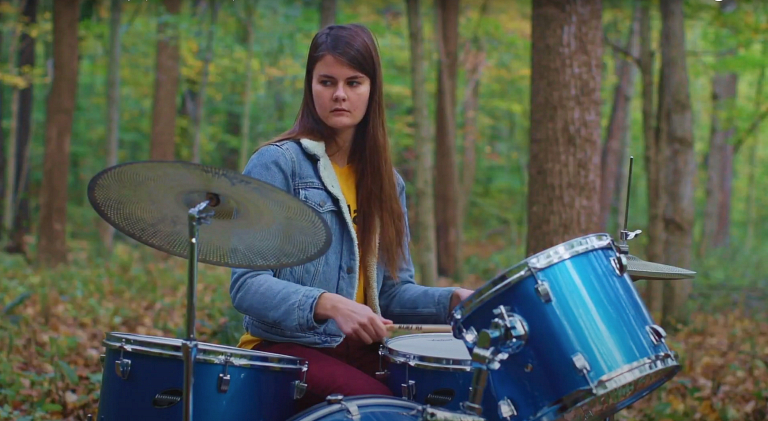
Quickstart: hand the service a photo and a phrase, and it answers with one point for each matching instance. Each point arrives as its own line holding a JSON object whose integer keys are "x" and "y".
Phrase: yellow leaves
{"x": 16, "y": 81}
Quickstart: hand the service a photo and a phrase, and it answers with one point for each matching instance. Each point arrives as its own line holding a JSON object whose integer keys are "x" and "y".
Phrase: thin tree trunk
{"x": 680, "y": 163}
{"x": 447, "y": 190}
{"x": 425, "y": 201}
{"x": 61, "y": 107}
{"x": 166, "y": 87}
{"x": 10, "y": 164}
{"x": 245, "y": 125}
{"x": 200, "y": 107}
{"x": 619, "y": 124}
{"x": 327, "y": 13}
{"x": 564, "y": 181}
{"x": 474, "y": 59}
{"x": 113, "y": 106}
{"x": 753, "y": 160}
{"x": 20, "y": 206}
{"x": 653, "y": 292}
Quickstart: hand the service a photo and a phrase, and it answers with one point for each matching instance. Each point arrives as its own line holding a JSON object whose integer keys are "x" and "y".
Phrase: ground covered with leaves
{"x": 52, "y": 323}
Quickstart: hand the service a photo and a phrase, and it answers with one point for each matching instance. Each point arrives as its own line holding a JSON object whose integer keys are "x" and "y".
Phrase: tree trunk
{"x": 680, "y": 162}
{"x": 474, "y": 62}
{"x": 2, "y": 142}
{"x": 113, "y": 106}
{"x": 564, "y": 181}
{"x": 200, "y": 106}
{"x": 752, "y": 168}
{"x": 61, "y": 107}
{"x": 425, "y": 201}
{"x": 327, "y": 13}
{"x": 245, "y": 125}
{"x": 447, "y": 189}
{"x": 653, "y": 292}
{"x": 719, "y": 163}
{"x": 11, "y": 158}
{"x": 618, "y": 125}
{"x": 20, "y": 205}
{"x": 166, "y": 87}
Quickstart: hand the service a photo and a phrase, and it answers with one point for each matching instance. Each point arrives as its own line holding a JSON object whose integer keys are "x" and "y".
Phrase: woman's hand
{"x": 354, "y": 319}
{"x": 458, "y": 296}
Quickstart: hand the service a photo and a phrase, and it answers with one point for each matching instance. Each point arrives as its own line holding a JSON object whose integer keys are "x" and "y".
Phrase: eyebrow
{"x": 349, "y": 78}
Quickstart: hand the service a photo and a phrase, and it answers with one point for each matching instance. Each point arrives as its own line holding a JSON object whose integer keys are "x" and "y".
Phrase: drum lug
{"x": 583, "y": 366}
{"x": 123, "y": 365}
{"x": 223, "y": 385}
{"x": 409, "y": 390}
{"x": 657, "y": 334}
{"x": 299, "y": 389}
{"x": 619, "y": 263}
{"x": 543, "y": 291}
{"x": 506, "y": 409}
{"x": 102, "y": 358}
{"x": 382, "y": 375}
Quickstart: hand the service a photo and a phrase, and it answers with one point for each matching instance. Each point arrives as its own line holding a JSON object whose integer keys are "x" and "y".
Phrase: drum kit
{"x": 561, "y": 335}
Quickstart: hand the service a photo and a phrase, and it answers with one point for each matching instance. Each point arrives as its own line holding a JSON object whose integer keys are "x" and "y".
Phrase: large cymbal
{"x": 255, "y": 225}
{"x": 640, "y": 269}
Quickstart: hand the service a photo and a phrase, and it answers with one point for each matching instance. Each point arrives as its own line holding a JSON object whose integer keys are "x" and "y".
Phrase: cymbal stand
{"x": 196, "y": 217}
{"x": 626, "y": 235}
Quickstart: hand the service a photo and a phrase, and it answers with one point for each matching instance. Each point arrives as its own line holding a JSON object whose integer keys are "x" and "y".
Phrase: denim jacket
{"x": 279, "y": 305}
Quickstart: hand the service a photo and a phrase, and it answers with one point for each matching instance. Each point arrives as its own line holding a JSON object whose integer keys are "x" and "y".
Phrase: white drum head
{"x": 434, "y": 345}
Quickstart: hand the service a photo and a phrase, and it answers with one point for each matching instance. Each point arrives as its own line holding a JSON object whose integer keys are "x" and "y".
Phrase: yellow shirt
{"x": 346, "y": 176}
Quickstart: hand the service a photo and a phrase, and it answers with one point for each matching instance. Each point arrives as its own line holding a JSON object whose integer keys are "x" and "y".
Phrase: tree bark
{"x": 425, "y": 201}
{"x": 680, "y": 162}
{"x": 327, "y": 13}
{"x": 618, "y": 125}
{"x": 200, "y": 106}
{"x": 564, "y": 181}
{"x": 245, "y": 133}
{"x": 753, "y": 164}
{"x": 166, "y": 86}
{"x": 113, "y": 106}
{"x": 11, "y": 158}
{"x": 61, "y": 107}
{"x": 447, "y": 188}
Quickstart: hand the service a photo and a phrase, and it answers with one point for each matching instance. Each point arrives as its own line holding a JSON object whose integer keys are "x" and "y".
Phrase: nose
{"x": 340, "y": 94}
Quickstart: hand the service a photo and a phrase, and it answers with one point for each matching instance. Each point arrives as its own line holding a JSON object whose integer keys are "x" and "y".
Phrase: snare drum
{"x": 376, "y": 408}
{"x": 433, "y": 369}
{"x": 577, "y": 338}
{"x": 143, "y": 379}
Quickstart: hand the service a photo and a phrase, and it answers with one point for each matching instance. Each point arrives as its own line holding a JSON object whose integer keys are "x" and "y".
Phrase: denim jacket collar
{"x": 328, "y": 177}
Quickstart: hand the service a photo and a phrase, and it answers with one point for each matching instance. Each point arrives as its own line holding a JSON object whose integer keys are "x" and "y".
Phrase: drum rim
{"x": 323, "y": 409}
{"x": 165, "y": 347}
{"x": 523, "y": 269}
{"x": 423, "y": 361}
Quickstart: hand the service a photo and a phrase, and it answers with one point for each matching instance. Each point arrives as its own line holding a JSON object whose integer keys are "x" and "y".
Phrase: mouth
{"x": 339, "y": 110}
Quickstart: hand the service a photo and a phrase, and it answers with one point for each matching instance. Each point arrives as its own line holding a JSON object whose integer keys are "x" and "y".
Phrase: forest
{"x": 513, "y": 129}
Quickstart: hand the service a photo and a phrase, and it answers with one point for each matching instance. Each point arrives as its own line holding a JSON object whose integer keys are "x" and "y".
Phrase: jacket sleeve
{"x": 281, "y": 309}
{"x": 404, "y": 301}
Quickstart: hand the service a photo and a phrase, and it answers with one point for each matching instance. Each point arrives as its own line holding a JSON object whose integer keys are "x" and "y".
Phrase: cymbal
{"x": 640, "y": 269}
{"x": 254, "y": 224}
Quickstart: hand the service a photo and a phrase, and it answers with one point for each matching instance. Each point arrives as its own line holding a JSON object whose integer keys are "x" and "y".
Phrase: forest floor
{"x": 52, "y": 323}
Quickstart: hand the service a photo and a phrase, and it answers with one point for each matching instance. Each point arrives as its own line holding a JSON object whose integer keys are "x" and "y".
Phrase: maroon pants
{"x": 348, "y": 369}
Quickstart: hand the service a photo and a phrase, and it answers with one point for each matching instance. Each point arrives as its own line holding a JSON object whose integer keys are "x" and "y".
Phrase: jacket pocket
{"x": 317, "y": 198}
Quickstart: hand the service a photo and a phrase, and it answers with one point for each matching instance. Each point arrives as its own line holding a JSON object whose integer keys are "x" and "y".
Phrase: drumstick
{"x": 422, "y": 328}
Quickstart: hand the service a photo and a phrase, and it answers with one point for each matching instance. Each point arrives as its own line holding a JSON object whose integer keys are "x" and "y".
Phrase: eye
{"x": 325, "y": 83}
{"x": 353, "y": 83}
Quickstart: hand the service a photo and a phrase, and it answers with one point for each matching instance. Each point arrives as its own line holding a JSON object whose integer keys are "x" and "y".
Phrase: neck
{"x": 338, "y": 151}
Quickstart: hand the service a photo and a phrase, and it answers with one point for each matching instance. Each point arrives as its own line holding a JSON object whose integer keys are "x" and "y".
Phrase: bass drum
{"x": 376, "y": 408}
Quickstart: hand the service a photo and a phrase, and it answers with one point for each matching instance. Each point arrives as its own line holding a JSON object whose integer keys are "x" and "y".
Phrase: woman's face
{"x": 340, "y": 93}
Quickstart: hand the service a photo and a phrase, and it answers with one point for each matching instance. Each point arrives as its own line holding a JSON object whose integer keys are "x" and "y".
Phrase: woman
{"x": 333, "y": 311}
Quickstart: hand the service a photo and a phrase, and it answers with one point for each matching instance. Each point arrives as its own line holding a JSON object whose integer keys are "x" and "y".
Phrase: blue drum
{"x": 376, "y": 408}
{"x": 432, "y": 369}
{"x": 567, "y": 334}
{"x": 143, "y": 379}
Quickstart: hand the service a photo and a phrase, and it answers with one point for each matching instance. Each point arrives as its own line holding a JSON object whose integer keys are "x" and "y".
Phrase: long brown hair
{"x": 377, "y": 198}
